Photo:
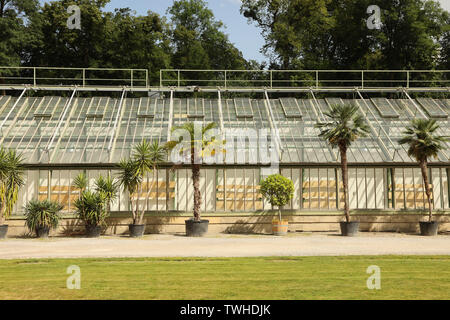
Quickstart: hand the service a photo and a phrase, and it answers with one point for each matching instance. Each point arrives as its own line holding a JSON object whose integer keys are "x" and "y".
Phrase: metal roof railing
{"x": 81, "y": 77}
{"x": 305, "y": 78}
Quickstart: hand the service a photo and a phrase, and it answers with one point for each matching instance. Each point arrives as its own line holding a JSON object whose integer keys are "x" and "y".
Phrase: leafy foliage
{"x": 40, "y": 214}
{"x": 278, "y": 190}
{"x": 80, "y": 182}
{"x": 422, "y": 139}
{"x": 90, "y": 208}
{"x": 11, "y": 180}
{"x": 346, "y": 126}
{"x": 145, "y": 158}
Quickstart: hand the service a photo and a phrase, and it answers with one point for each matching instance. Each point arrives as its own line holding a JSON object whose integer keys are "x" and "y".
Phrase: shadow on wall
{"x": 260, "y": 223}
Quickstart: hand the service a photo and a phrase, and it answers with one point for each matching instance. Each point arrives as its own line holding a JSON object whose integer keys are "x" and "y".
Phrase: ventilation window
{"x": 243, "y": 108}
{"x": 94, "y": 115}
{"x": 42, "y": 116}
{"x": 195, "y": 108}
{"x": 291, "y": 108}
{"x": 432, "y": 108}
{"x": 384, "y": 107}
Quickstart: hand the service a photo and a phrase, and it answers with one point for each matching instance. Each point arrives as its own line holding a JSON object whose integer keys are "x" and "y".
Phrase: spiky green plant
{"x": 11, "y": 180}
{"x": 90, "y": 208}
{"x": 196, "y": 149}
{"x": 424, "y": 144}
{"x": 80, "y": 182}
{"x": 108, "y": 187}
{"x": 130, "y": 180}
{"x": 346, "y": 125}
{"x": 42, "y": 214}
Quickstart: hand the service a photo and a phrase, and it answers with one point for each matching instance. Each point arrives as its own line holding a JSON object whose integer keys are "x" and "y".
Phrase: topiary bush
{"x": 277, "y": 190}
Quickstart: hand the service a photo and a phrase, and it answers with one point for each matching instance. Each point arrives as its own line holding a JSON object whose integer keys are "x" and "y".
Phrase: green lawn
{"x": 228, "y": 278}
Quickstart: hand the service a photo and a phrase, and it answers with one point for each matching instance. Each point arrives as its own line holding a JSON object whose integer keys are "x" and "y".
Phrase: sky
{"x": 246, "y": 37}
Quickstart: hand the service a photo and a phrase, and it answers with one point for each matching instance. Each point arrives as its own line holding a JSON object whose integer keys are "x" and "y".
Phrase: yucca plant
{"x": 90, "y": 208}
{"x": 346, "y": 125}
{"x": 42, "y": 215}
{"x": 11, "y": 180}
{"x": 80, "y": 182}
{"x": 108, "y": 187}
{"x": 424, "y": 144}
{"x": 130, "y": 181}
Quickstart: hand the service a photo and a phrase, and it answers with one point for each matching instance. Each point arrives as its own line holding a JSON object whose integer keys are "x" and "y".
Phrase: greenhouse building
{"x": 65, "y": 125}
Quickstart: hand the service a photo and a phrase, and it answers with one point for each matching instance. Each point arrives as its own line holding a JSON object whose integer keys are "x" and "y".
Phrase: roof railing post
{"x": 179, "y": 79}
{"x": 84, "y": 77}
{"x": 225, "y": 79}
{"x": 407, "y": 79}
{"x": 131, "y": 78}
{"x": 362, "y": 79}
{"x": 34, "y": 76}
{"x": 317, "y": 79}
{"x": 271, "y": 79}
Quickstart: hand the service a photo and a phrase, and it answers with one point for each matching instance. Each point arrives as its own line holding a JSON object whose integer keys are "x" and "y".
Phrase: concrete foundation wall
{"x": 250, "y": 223}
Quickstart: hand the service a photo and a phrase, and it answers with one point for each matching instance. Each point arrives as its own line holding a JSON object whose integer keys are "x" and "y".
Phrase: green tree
{"x": 198, "y": 39}
{"x": 333, "y": 34}
{"x": 278, "y": 190}
{"x": 346, "y": 125}
{"x": 424, "y": 143}
{"x": 196, "y": 149}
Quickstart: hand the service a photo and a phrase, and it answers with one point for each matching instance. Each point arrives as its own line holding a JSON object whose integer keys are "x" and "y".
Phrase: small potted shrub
{"x": 91, "y": 209}
{"x": 42, "y": 216}
{"x": 278, "y": 190}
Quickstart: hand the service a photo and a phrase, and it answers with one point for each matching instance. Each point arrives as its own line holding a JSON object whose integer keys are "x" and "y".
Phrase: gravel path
{"x": 225, "y": 246}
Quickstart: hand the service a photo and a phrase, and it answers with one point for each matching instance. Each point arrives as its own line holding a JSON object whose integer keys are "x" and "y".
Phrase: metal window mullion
{"x": 72, "y": 134}
{"x": 83, "y": 128}
{"x": 60, "y": 122}
{"x": 116, "y": 126}
{"x": 105, "y": 138}
{"x": 21, "y": 124}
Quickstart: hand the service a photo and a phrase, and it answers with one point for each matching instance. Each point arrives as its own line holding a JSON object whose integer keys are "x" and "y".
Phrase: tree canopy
{"x": 299, "y": 34}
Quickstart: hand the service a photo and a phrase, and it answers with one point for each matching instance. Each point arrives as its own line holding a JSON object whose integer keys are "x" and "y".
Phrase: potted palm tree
{"x": 11, "y": 179}
{"x": 145, "y": 159}
{"x": 424, "y": 144}
{"x": 278, "y": 190}
{"x": 42, "y": 216}
{"x": 195, "y": 227}
{"x": 346, "y": 125}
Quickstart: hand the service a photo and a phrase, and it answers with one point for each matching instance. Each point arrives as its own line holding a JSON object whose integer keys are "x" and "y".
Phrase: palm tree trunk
{"x": 344, "y": 165}
{"x": 197, "y": 193}
{"x": 424, "y": 168}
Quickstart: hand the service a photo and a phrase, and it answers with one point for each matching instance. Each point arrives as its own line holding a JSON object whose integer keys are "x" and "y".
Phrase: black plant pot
{"x": 429, "y": 229}
{"x": 42, "y": 232}
{"x": 3, "y": 231}
{"x": 136, "y": 230}
{"x": 349, "y": 229}
{"x": 93, "y": 231}
{"x": 196, "y": 228}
